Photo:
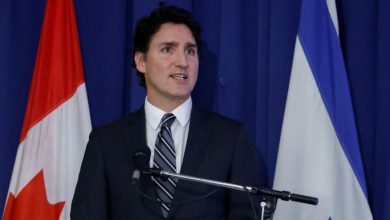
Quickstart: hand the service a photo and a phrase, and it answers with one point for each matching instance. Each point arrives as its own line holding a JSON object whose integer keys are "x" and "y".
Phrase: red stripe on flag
{"x": 32, "y": 198}
{"x": 58, "y": 67}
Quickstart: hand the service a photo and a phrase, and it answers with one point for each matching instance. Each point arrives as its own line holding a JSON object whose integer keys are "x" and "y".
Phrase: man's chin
{"x": 177, "y": 97}
{"x": 181, "y": 93}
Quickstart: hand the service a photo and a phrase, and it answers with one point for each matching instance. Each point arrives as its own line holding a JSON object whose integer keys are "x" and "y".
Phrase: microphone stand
{"x": 284, "y": 195}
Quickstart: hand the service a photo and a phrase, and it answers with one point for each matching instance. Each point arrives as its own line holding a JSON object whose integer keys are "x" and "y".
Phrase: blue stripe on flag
{"x": 321, "y": 45}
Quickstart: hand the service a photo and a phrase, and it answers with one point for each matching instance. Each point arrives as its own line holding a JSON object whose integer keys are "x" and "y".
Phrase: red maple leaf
{"x": 31, "y": 203}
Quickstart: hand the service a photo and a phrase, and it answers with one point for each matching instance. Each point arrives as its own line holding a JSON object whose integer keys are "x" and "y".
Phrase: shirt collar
{"x": 153, "y": 114}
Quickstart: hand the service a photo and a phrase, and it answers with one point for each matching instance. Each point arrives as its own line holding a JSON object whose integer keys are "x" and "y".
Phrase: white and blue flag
{"x": 319, "y": 153}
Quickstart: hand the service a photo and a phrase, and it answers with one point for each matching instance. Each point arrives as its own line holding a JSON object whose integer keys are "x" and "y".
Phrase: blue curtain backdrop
{"x": 244, "y": 72}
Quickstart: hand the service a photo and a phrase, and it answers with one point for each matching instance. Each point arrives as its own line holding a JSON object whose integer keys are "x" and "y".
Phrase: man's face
{"x": 170, "y": 65}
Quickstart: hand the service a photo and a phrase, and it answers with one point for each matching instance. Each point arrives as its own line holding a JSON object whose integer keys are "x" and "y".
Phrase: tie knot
{"x": 167, "y": 120}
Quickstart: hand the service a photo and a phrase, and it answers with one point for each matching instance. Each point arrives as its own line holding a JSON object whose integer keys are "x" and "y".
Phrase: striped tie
{"x": 165, "y": 159}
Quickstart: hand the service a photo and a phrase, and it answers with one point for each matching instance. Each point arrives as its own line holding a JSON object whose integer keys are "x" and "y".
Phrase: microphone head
{"x": 141, "y": 159}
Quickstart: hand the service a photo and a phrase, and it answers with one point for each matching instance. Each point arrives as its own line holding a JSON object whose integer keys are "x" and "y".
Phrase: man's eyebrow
{"x": 173, "y": 43}
{"x": 170, "y": 43}
{"x": 192, "y": 45}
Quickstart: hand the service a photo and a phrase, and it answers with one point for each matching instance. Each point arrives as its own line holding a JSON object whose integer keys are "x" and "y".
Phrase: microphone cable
{"x": 141, "y": 158}
{"x": 172, "y": 203}
{"x": 251, "y": 202}
{"x": 153, "y": 199}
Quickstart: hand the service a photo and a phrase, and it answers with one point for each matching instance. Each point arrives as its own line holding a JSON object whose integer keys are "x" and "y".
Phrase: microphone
{"x": 141, "y": 163}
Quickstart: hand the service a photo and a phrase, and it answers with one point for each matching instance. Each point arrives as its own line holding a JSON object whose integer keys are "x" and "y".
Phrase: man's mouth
{"x": 179, "y": 76}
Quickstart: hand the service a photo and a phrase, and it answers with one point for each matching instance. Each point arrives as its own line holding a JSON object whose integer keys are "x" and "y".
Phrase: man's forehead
{"x": 170, "y": 32}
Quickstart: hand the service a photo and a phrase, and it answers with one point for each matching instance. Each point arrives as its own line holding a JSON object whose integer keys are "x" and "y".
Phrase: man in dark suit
{"x": 195, "y": 142}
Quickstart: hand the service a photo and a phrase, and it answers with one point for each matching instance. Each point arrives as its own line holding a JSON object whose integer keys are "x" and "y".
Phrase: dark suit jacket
{"x": 217, "y": 148}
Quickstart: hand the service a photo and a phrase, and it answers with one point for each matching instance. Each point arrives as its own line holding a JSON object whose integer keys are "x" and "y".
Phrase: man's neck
{"x": 166, "y": 106}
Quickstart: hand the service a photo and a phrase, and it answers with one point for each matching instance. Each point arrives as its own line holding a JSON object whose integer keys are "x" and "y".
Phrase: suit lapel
{"x": 135, "y": 140}
{"x": 198, "y": 134}
{"x": 196, "y": 143}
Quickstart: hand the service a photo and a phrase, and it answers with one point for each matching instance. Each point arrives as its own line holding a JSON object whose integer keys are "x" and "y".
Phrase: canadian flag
{"x": 56, "y": 125}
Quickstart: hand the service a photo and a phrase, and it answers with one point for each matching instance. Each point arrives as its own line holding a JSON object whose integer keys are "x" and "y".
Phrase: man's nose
{"x": 181, "y": 59}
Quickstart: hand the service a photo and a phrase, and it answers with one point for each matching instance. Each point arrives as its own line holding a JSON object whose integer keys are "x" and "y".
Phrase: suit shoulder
{"x": 215, "y": 118}
{"x": 120, "y": 123}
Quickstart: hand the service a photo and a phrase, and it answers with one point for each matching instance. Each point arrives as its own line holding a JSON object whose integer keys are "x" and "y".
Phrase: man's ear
{"x": 139, "y": 60}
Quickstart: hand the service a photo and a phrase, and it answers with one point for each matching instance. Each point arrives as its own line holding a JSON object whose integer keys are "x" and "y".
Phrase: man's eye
{"x": 191, "y": 51}
{"x": 166, "y": 50}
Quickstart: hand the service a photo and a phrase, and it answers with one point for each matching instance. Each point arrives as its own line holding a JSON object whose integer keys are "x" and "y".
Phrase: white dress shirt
{"x": 179, "y": 128}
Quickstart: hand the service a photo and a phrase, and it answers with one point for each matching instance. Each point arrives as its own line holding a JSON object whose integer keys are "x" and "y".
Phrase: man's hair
{"x": 147, "y": 26}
